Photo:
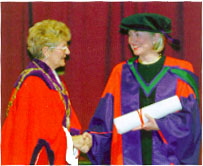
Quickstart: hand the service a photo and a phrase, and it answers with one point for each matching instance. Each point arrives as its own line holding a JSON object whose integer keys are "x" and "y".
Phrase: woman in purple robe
{"x": 150, "y": 76}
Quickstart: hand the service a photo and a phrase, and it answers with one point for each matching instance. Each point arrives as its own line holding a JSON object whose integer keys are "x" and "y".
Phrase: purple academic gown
{"x": 181, "y": 130}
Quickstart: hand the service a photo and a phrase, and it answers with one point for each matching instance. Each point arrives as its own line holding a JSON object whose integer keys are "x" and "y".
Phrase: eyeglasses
{"x": 61, "y": 48}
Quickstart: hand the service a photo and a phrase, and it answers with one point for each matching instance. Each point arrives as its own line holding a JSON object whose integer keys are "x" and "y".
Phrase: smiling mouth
{"x": 134, "y": 47}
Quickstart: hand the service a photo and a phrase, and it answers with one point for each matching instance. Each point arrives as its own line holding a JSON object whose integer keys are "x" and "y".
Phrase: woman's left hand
{"x": 151, "y": 124}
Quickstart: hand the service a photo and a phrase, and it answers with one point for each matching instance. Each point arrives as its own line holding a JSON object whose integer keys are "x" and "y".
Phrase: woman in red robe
{"x": 39, "y": 109}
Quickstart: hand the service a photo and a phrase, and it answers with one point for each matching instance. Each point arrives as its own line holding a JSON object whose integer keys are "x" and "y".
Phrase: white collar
{"x": 57, "y": 77}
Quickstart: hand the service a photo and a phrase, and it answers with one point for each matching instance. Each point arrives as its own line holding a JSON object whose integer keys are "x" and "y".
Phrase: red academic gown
{"x": 35, "y": 123}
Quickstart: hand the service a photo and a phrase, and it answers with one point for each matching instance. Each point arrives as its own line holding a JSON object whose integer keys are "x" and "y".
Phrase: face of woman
{"x": 140, "y": 42}
{"x": 56, "y": 57}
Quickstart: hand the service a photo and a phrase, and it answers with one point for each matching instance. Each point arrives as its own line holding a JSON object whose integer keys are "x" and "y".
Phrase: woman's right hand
{"x": 83, "y": 142}
{"x": 87, "y": 142}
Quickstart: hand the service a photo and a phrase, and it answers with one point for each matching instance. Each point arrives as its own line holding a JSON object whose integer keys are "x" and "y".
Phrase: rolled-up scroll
{"x": 157, "y": 110}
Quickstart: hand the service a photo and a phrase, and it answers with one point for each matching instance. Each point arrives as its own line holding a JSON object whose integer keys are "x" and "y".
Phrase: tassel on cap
{"x": 174, "y": 43}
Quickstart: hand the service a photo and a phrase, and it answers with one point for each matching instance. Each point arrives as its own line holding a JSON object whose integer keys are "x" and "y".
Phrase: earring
{"x": 155, "y": 46}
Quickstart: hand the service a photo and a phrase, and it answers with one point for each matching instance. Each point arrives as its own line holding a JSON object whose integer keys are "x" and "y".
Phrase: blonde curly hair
{"x": 46, "y": 33}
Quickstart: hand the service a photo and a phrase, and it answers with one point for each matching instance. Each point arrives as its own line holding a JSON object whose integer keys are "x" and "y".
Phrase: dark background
{"x": 96, "y": 47}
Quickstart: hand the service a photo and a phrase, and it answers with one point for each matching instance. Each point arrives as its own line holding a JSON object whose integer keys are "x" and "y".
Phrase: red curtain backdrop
{"x": 96, "y": 47}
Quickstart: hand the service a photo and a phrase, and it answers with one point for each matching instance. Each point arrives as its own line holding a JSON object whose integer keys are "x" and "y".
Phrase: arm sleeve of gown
{"x": 101, "y": 125}
{"x": 101, "y": 129}
{"x": 182, "y": 130}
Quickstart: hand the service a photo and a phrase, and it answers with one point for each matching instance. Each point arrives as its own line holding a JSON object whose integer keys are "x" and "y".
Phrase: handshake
{"x": 82, "y": 142}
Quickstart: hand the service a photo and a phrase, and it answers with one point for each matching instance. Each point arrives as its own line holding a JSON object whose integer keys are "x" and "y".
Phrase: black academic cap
{"x": 150, "y": 22}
